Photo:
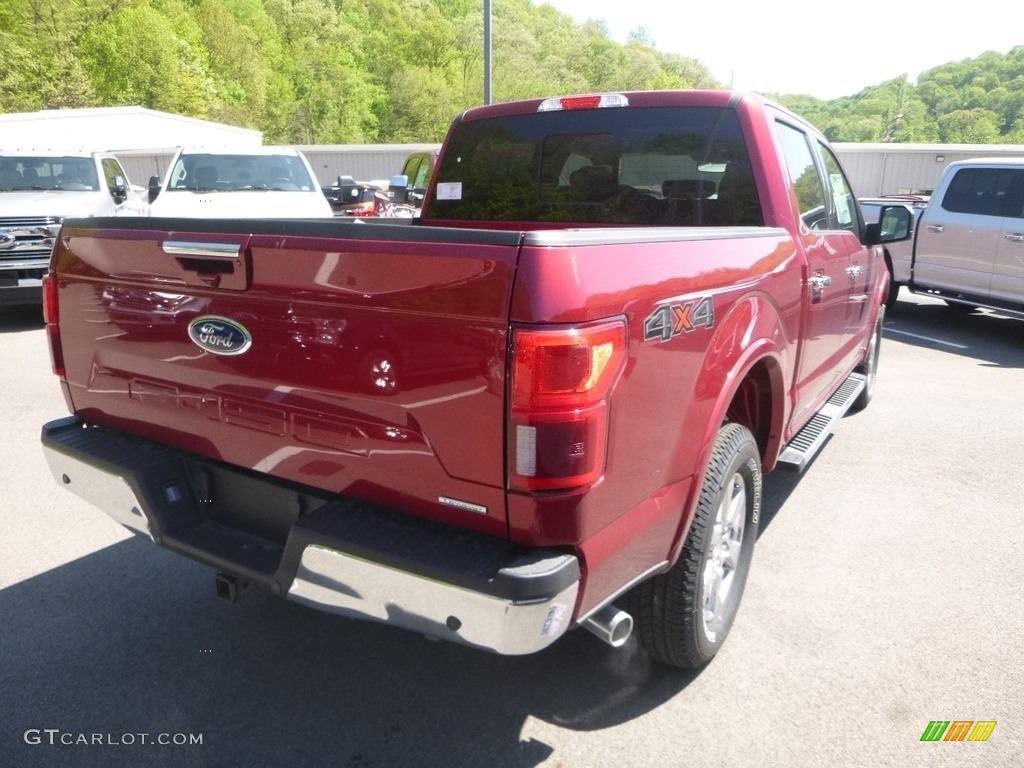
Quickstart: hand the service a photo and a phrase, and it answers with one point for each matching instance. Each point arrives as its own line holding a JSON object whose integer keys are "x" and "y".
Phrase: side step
{"x": 808, "y": 441}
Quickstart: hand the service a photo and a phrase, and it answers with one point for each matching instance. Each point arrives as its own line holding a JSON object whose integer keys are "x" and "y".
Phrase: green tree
{"x": 136, "y": 57}
{"x": 421, "y": 106}
{"x": 969, "y": 126}
{"x": 339, "y": 71}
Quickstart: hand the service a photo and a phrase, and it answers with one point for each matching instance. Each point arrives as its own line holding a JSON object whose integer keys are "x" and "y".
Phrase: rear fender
{"x": 743, "y": 378}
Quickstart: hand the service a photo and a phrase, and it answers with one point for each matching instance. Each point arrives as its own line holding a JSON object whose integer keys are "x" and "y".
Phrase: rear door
{"x": 1008, "y": 271}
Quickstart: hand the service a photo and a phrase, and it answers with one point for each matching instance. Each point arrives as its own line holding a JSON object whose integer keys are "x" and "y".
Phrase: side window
{"x": 986, "y": 192}
{"x": 113, "y": 173}
{"x": 844, "y": 204}
{"x": 420, "y": 180}
{"x": 412, "y": 166}
{"x": 1014, "y": 205}
{"x": 804, "y": 174}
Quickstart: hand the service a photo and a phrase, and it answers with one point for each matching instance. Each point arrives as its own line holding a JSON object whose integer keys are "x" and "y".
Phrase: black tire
{"x": 671, "y": 611}
{"x": 870, "y": 365}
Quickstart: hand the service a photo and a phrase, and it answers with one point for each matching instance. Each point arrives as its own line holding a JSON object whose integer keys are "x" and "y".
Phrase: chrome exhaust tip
{"x": 612, "y": 625}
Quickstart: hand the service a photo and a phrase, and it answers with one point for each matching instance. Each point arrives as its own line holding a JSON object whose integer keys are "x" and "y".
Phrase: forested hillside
{"x": 366, "y": 71}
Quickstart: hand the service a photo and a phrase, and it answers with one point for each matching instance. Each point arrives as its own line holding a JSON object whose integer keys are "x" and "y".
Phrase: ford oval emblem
{"x": 7, "y": 240}
{"x": 219, "y": 335}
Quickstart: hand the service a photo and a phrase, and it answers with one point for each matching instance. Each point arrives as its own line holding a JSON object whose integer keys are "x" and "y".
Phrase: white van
{"x": 253, "y": 182}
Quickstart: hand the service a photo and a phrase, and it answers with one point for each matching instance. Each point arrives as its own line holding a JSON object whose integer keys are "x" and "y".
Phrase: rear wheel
{"x": 683, "y": 616}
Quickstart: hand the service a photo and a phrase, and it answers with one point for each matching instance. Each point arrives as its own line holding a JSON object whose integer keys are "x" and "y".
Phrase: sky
{"x": 801, "y": 47}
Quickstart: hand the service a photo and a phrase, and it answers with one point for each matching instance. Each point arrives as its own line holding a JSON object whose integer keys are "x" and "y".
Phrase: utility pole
{"x": 487, "y": 51}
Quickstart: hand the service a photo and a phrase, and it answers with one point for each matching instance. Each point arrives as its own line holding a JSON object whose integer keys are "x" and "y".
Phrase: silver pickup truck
{"x": 968, "y": 242}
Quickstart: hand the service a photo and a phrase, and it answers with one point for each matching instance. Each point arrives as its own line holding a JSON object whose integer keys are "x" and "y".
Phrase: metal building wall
{"x": 141, "y": 164}
{"x": 363, "y": 162}
{"x": 892, "y": 169}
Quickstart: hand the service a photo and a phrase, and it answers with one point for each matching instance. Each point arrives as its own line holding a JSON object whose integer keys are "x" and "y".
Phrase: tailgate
{"x": 362, "y": 359}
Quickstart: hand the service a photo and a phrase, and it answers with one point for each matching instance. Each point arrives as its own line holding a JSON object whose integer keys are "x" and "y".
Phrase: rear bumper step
{"x": 806, "y": 443}
{"x": 333, "y": 553}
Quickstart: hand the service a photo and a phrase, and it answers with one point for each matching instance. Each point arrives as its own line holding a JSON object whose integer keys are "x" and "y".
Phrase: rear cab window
{"x": 671, "y": 166}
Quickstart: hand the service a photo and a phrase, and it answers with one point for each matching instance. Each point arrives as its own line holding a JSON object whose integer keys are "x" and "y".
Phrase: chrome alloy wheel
{"x": 723, "y": 557}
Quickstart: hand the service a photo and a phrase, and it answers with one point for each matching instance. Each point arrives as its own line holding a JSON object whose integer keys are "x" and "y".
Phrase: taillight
{"x": 51, "y": 316}
{"x": 591, "y": 101}
{"x": 364, "y": 209}
{"x": 561, "y": 380}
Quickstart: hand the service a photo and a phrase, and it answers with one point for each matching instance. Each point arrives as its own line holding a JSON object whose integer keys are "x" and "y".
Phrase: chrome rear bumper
{"x": 335, "y": 554}
{"x": 340, "y": 583}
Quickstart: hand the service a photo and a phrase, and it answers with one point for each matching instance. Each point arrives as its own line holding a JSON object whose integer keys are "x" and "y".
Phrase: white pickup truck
{"x": 38, "y": 190}
{"x": 254, "y": 182}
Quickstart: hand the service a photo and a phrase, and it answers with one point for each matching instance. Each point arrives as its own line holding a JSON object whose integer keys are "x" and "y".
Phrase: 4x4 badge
{"x": 668, "y": 321}
{"x": 219, "y": 335}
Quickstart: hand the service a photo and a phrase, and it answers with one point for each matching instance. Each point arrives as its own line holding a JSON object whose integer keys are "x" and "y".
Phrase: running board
{"x": 808, "y": 441}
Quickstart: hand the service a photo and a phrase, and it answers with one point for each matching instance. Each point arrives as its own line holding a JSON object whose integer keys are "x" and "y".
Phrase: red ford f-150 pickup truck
{"x": 547, "y": 402}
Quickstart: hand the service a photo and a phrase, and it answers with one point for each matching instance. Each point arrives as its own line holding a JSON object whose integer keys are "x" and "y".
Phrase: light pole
{"x": 487, "y": 51}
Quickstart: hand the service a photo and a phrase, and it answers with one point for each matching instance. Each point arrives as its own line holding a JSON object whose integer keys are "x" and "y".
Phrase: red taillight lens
{"x": 51, "y": 316}
{"x": 561, "y": 379}
{"x": 590, "y": 101}
{"x": 49, "y": 299}
{"x": 364, "y": 209}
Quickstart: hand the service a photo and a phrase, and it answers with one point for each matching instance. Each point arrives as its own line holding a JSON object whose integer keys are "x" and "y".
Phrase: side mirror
{"x": 398, "y": 189}
{"x": 119, "y": 193}
{"x": 154, "y": 187}
{"x": 895, "y": 223}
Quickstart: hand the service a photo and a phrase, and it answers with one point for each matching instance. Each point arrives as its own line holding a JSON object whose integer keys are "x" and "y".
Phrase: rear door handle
{"x": 938, "y": 229}
{"x": 855, "y": 271}
{"x": 1015, "y": 237}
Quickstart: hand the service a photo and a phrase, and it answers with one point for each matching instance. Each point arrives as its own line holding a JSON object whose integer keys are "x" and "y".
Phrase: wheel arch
{"x": 747, "y": 370}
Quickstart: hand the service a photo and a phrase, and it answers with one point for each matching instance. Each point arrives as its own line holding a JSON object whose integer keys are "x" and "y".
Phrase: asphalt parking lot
{"x": 885, "y": 593}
